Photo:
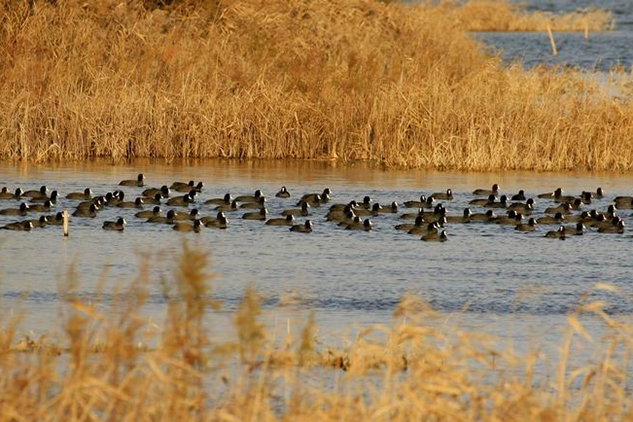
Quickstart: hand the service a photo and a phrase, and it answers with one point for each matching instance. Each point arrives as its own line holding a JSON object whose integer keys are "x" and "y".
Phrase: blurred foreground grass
{"x": 111, "y": 366}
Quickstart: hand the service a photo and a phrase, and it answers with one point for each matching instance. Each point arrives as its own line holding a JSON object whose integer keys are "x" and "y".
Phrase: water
{"x": 622, "y": 10}
{"x": 601, "y": 52}
{"x": 519, "y": 286}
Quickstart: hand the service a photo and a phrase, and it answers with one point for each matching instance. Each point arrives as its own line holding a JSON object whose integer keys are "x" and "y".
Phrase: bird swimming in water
{"x": 195, "y": 226}
{"x": 365, "y": 225}
{"x": 487, "y": 192}
{"x": 302, "y": 228}
{"x": 170, "y": 218}
{"x": 18, "y": 226}
{"x": 529, "y": 227}
{"x": 287, "y": 221}
{"x": 260, "y": 215}
{"x": 154, "y": 212}
{"x": 311, "y": 197}
{"x": 82, "y": 196}
{"x": 283, "y": 193}
{"x": 435, "y": 237}
{"x": 41, "y": 193}
{"x": 250, "y": 198}
{"x": 445, "y": 196}
{"x": 139, "y": 182}
{"x": 23, "y": 210}
{"x": 90, "y": 212}
{"x": 118, "y": 225}
{"x": 163, "y": 191}
{"x": 303, "y": 211}
{"x": 226, "y": 200}
{"x": 406, "y": 227}
{"x": 5, "y": 194}
{"x": 557, "y": 234}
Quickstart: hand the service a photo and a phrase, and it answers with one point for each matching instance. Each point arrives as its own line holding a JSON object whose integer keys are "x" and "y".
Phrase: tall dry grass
{"x": 112, "y": 367}
{"x": 402, "y": 85}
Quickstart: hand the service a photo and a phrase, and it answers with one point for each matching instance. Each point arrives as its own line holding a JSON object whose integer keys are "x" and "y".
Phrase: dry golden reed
{"x": 113, "y": 367}
{"x": 398, "y": 84}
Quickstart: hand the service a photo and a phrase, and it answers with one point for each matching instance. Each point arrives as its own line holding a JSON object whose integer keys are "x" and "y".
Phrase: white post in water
{"x": 65, "y": 215}
{"x": 551, "y": 40}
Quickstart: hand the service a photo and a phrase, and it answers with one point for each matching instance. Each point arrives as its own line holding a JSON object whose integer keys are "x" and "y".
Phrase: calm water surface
{"x": 601, "y": 52}
{"x": 516, "y": 285}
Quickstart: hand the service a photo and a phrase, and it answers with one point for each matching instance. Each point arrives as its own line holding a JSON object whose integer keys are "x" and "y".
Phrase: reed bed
{"x": 402, "y": 85}
{"x": 111, "y": 366}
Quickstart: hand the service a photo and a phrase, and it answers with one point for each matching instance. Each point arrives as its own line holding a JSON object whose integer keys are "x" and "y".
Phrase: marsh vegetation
{"x": 400, "y": 84}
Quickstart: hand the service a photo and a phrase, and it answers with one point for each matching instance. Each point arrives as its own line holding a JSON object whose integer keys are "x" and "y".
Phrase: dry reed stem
{"x": 399, "y": 84}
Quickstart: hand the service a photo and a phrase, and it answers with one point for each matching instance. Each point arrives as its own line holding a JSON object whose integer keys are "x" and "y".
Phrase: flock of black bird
{"x": 428, "y": 219}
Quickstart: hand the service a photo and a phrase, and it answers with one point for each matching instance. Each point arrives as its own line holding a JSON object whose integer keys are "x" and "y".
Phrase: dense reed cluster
{"x": 399, "y": 84}
{"x": 113, "y": 364}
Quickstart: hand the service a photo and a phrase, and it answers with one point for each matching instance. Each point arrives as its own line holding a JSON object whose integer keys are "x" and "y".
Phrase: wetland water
{"x": 601, "y": 52}
{"x": 516, "y": 285}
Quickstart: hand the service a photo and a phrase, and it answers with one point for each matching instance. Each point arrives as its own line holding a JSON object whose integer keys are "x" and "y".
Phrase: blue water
{"x": 601, "y": 52}
{"x": 485, "y": 275}
{"x": 622, "y": 10}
